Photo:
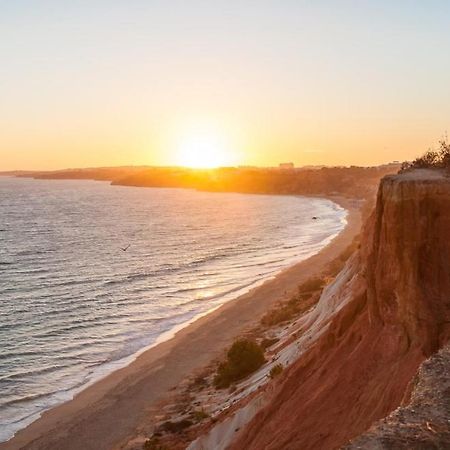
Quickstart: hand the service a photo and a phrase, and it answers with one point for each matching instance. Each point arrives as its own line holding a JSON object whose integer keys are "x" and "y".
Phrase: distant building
{"x": 285, "y": 166}
{"x": 248, "y": 167}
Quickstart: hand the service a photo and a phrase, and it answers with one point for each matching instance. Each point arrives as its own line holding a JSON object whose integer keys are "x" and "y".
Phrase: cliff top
{"x": 420, "y": 175}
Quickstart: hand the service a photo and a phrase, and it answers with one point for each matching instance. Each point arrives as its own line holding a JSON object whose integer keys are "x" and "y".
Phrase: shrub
{"x": 278, "y": 315}
{"x": 406, "y": 165}
{"x": 154, "y": 444}
{"x": 268, "y": 342}
{"x": 176, "y": 427}
{"x": 439, "y": 158}
{"x": 297, "y": 304}
{"x": 428, "y": 159}
{"x": 275, "y": 371}
{"x": 313, "y": 284}
{"x": 199, "y": 415}
{"x": 244, "y": 357}
{"x": 199, "y": 383}
{"x": 444, "y": 155}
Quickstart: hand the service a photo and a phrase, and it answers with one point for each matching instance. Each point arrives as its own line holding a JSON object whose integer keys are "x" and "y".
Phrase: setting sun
{"x": 203, "y": 148}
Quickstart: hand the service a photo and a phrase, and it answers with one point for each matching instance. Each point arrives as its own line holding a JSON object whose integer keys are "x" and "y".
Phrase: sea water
{"x": 91, "y": 274}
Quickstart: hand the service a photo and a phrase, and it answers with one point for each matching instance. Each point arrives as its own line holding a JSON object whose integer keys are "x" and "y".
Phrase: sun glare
{"x": 203, "y": 149}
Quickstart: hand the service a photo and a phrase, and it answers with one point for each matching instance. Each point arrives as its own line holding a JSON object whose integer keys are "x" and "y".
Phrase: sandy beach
{"x": 103, "y": 415}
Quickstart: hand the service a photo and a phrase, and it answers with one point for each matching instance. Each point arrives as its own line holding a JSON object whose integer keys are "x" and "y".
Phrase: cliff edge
{"x": 423, "y": 424}
{"x": 386, "y": 312}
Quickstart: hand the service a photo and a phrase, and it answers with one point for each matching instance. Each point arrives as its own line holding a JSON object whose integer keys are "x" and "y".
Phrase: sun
{"x": 203, "y": 148}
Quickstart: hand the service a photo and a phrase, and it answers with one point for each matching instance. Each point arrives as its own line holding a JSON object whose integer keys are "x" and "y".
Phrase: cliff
{"x": 383, "y": 316}
{"x": 424, "y": 422}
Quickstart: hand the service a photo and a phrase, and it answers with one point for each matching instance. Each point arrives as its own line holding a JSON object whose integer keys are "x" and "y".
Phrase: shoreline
{"x": 66, "y": 394}
{"x": 107, "y": 411}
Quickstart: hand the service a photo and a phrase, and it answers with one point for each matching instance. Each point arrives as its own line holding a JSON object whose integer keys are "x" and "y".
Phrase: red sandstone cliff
{"x": 383, "y": 316}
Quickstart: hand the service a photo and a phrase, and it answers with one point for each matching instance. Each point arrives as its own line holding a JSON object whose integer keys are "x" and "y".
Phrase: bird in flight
{"x": 124, "y": 249}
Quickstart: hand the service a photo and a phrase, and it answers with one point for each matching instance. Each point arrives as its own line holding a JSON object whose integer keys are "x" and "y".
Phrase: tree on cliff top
{"x": 432, "y": 159}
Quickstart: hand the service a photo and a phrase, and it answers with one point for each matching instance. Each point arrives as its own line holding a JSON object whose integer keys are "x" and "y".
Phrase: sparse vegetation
{"x": 199, "y": 415}
{"x": 176, "y": 427}
{"x": 275, "y": 371}
{"x": 200, "y": 382}
{"x": 278, "y": 315}
{"x": 286, "y": 311}
{"x": 244, "y": 357}
{"x": 268, "y": 342}
{"x": 432, "y": 159}
{"x": 313, "y": 284}
{"x": 154, "y": 444}
{"x": 338, "y": 263}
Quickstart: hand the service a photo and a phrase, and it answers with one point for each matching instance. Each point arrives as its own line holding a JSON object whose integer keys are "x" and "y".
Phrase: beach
{"x": 107, "y": 413}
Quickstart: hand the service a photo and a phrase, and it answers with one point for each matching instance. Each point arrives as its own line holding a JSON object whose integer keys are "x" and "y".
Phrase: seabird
{"x": 126, "y": 248}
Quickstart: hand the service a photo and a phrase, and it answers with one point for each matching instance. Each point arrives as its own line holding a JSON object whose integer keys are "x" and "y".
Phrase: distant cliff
{"x": 352, "y": 181}
{"x": 386, "y": 312}
{"x": 94, "y": 173}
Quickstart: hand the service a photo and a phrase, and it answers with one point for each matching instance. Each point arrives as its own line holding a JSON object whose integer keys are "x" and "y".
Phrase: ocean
{"x": 93, "y": 274}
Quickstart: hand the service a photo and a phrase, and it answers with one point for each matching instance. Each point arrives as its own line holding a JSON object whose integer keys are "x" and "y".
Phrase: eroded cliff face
{"x": 407, "y": 257}
{"x": 386, "y": 312}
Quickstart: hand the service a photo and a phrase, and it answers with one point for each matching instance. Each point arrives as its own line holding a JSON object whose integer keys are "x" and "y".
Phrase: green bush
{"x": 244, "y": 357}
{"x": 275, "y": 371}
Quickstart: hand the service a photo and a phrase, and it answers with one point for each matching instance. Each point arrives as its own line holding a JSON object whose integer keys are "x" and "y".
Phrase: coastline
{"x": 106, "y": 412}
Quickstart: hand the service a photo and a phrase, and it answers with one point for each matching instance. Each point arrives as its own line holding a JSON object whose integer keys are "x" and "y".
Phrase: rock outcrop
{"x": 424, "y": 423}
{"x": 383, "y": 316}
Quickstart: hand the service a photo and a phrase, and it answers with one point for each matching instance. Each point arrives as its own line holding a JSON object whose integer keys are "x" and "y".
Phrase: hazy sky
{"x": 89, "y": 83}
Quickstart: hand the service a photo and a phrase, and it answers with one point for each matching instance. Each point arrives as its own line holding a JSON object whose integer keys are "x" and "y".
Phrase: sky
{"x": 106, "y": 83}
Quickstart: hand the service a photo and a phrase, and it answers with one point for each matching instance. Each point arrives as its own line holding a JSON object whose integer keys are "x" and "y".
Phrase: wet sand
{"x": 109, "y": 411}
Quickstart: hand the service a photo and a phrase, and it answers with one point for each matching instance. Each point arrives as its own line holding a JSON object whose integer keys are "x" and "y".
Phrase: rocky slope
{"x": 424, "y": 423}
{"x": 383, "y": 316}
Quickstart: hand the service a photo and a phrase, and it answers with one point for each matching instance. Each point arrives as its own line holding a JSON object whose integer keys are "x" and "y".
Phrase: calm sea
{"x": 75, "y": 306}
